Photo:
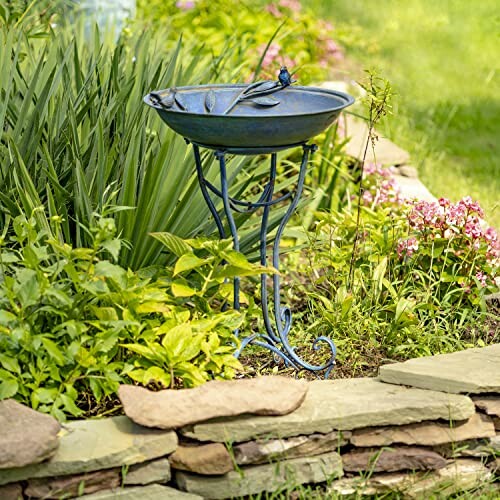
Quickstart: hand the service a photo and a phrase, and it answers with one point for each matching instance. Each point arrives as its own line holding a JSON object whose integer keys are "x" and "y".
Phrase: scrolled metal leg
{"x": 276, "y": 337}
{"x": 282, "y": 314}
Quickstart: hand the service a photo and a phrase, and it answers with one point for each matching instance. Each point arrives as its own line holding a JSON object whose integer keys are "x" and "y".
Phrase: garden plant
{"x": 110, "y": 271}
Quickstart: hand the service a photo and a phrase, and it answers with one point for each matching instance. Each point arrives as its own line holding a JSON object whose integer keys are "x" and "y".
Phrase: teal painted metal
{"x": 301, "y": 114}
{"x": 234, "y": 119}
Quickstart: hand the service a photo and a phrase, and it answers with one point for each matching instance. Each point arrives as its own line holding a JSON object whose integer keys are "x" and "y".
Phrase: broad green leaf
{"x": 8, "y": 257}
{"x": 45, "y": 395}
{"x": 179, "y": 289}
{"x": 105, "y": 269}
{"x": 95, "y": 387}
{"x": 190, "y": 373}
{"x": 156, "y": 374}
{"x": 53, "y": 350}
{"x": 10, "y": 363}
{"x": 113, "y": 247}
{"x": 107, "y": 341}
{"x": 8, "y": 388}
{"x": 181, "y": 344}
{"x": 105, "y": 313}
{"x": 379, "y": 273}
{"x": 60, "y": 296}
{"x": 27, "y": 287}
{"x": 175, "y": 244}
{"x": 6, "y": 317}
{"x": 70, "y": 406}
{"x": 187, "y": 262}
{"x": 153, "y": 351}
{"x": 237, "y": 259}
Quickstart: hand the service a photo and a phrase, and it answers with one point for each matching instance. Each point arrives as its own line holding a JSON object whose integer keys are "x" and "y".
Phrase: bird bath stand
{"x": 261, "y": 118}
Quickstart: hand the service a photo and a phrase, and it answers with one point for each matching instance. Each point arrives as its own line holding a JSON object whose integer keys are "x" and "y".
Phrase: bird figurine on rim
{"x": 284, "y": 77}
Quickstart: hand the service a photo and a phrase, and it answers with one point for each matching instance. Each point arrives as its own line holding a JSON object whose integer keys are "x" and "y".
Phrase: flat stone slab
{"x": 151, "y": 492}
{"x": 425, "y": 433}
{"x": 458, "y": 476}
{"x": 489, "y": 404}
{"x": 471, "y": 371}
{"x": 392, "y": 459}
{"x": 206, "y": 459}
{"x": 270, "y": 450}
{"x": 13, "y": 491}
{"x": 170, "y": 409}
{"x": 343, "y": 404}
{"x": 72, "y": 486}
{"x": 89, "y": 445}
{"x": 386, "y": 152}
{"x": 477, "y": 448}
{"x": 259, "y": 478}
{"x": 155, "y": 471}
{"x": 413, "y": 188}
{"x": 26, "y": 436}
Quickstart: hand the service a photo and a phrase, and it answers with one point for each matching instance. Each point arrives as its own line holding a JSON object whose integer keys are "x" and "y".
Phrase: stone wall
{"x": 439, "y": 432}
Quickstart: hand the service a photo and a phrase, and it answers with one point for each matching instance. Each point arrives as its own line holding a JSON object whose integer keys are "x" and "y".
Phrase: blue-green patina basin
{"x": 301, "y": 114}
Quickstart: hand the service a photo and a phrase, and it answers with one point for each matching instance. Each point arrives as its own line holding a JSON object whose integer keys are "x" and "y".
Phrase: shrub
{"x": 268, "y": 35}
{"x": 73, "y": 324}
{"x": 75, "y": 134}
{"x": 421, "y": 272}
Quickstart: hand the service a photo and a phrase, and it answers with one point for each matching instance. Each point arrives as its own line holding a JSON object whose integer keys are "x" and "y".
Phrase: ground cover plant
{"x": 74, "y": 324}
{"x": 102, "y": 281}
{"x": 283, "y": 33}
{"x": 76, "y": 134}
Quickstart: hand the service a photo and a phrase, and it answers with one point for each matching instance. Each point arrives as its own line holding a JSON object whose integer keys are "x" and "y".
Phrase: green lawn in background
{"x": 442, "y": 58}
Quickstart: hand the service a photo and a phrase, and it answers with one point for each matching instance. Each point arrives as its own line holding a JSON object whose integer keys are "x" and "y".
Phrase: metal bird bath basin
{"x": 263, "y": 117}
{"x": 299, "y": 114}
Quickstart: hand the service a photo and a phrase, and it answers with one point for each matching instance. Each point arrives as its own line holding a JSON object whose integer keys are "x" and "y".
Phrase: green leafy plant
{"x": 417, "y": 288}
{"x": 75, "y": 135}
{"x": 269, "y": 34}
{"x": 74, "y": 324}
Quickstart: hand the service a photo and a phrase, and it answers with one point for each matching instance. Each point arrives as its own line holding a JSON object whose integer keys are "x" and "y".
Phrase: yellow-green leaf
{"x": 179, "y": 289}
{"x": 187, "y": 262}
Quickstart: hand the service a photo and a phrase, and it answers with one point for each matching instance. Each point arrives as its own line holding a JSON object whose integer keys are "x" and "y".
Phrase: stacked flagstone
{"x": 424, "y": 426}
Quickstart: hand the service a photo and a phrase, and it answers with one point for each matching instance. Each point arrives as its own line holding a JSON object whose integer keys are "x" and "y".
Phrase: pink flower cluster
{"x": 444, "y": 219}
{"x": 185, "y": 4}
{"x": 277, "y": 9}
{"x": 461, "y": 225}
{"x": 380, "y": 186}
{"x": 273, "y": 59}
{"x": 406, "y": 248}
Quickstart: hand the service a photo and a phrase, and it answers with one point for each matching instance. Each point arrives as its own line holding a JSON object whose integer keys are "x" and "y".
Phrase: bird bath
{"x": 263, "y": 117}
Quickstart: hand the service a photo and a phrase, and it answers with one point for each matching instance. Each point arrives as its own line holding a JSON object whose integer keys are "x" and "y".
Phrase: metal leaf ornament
{"x": 255, "y": 91}
{"x": 261, "y": 86}
{"x": 265, "y": 101}
{"x": 210, "y": 101}
{"x": 180, "y": 102}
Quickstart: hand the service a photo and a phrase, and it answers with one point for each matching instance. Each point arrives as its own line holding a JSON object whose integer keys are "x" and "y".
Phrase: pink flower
{"x": 327, "y": 25}
{"x": 381, "y": 185}
{"x": 406, "y": 248}
{"x": 273, "y": 10}
{"x": 185, "y": 4}
{"x": 293, "y": 5}
{"x": 473, "y": 227}
{"x": 367, "y": 197}
{"x": 471, "y": 206}
{"x": 271, "y": 56}
{"x": 481, "y": 277}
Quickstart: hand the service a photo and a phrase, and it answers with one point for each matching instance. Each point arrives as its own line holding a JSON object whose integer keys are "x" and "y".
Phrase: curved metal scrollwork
{"x": 276, "y": 336}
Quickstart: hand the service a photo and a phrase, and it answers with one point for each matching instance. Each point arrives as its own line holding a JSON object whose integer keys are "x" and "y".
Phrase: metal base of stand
{"x": 278, "y": 328}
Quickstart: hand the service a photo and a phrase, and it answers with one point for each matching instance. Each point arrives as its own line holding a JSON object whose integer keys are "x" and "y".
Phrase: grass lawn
{"x": 442, "y": 59}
